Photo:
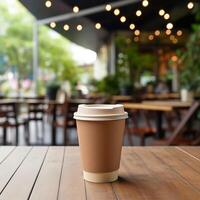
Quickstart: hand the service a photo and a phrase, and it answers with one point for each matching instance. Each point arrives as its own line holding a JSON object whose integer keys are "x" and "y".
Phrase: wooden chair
{"x": 10, "y": 119}
{"x": 64, "y": 117}
{"x": 144, "y": 131}
{"x": 36, "y": 113}
{"x": 177, "y": 136}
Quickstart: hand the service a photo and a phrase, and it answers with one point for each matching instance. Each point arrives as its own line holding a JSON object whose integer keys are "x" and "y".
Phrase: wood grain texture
{"x": 145, "y": 176}
{"x": 4, "y": 152}
{"x": 174, "y": 104}
{"x": 133, "y": 177}
{"x": 22, "y": 182}
{"x": 72, "y": 184}
{"x": 187, "y": 168}
{"x": 193, "y": 152}
{"x": 189, "y": 178}
{"x": 150, "y": 173}
{"x": 142, "y": 106}
{"x": 47, "y": 184}
{"x": 99, "y": 191}
{"x": 11, "y": 164}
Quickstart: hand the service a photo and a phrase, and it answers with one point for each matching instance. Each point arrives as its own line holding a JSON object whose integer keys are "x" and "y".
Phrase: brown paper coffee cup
{"x": 100, "y": 132}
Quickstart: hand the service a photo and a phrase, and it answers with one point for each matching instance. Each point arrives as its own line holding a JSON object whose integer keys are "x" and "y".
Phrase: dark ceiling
{"x": 149, "y": 21}
{"x": 181, "y": 17}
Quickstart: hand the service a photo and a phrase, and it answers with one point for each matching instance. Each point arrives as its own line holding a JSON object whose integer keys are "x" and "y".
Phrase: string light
{"x": 137, "y": 32}
{"x": 138, "y": 13}
{"x": 161, "y": 12}
{"x": 168, "y": 32}
{"x": 190, "y": 5}
{"x": 136, "y": 39}
{"x": 75, "y": 9}
{"x": 174, "y": 58}
{"x": 116, "y": 12}
{"x": 52, "y": 24}
{"x": 108, "y": 7}
{"x": 157, "y": 33}
{"x": 169, "y": 26}
{"x": 79, "y": 27}
{"x": 172, "y": 37}
{"x": 97, "y": 25}
{"x": 66, "y": 27}
{"x": 132, "y": 26}
{"x": 179, "y": 33}
{"x": 145, "y": 3}
{"x": 166, "y": 16}
{"x": 123, "y": 19}
{"x": 175, "y": 41}
{"x": 151, "y": 37}
{"x": 48, "y": 4}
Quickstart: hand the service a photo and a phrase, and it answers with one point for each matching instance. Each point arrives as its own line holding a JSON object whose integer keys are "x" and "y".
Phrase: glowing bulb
{"x": 179, "y": 33}
{"x": 52, "y": 24}
{"x": 48, "y": 4}
{"x": 190, "y": 5}
{"x": 108, "y": 7}
{"x": 151, "y": 37}
{"x": 174, "y": 58}
{"x": 75, "y": 9}
{"x": 116, "y": 12}
{"x": 157, "y": 33}
{"x": 168, "y": 32}
{"x": 145, "y": 3}
{"x": 123, "y": 19}
{"x": 137, "y": 32}
{"x": 169, "y": 26}
{"x": 132, "y": 26}
{"x": 166, "y": 16}
{"x": 79, "y": 27}
{"x": 66, "y": 27}
{"x": 161, "y": 12}
{"x": 97, "y": 25}
{"x": 138, "y": 13}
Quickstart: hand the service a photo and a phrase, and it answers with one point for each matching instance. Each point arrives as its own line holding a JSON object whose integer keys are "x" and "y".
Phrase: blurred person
{"x": 161, "y": 88}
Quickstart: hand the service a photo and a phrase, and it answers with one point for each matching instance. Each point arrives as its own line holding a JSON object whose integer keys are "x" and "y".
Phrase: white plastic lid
{"x": 100, "y": 112}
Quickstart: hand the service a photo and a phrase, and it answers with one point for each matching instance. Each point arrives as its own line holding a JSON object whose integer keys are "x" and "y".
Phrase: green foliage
{"x": 131, "y": 63}
{"x": 16, "y": 42}
{"x": 190, "y": 73}
{"x": 108, "y": 85}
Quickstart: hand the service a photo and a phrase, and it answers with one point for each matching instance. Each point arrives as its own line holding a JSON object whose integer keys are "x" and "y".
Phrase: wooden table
{"x": 142, "y": 106}
{"x": 40, "y": 173}
{"x": 159, "y": 109}
{"x": 174, "y": 104}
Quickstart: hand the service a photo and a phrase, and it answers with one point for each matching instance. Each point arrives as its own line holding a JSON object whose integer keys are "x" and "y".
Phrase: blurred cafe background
{"x": 55, "y": 55}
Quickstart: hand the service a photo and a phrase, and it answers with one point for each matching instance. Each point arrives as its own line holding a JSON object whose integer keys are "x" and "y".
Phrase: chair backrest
{"x": 7, "y": 111}
{"x": 182, "y": 125}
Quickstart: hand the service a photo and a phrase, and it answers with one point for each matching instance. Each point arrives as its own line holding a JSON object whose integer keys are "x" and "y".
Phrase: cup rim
{"x": 100, "y": 117}
{"x": 100, "y": 112}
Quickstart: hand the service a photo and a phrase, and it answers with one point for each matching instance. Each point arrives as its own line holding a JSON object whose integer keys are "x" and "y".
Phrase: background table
{"x": 39, "y": 173}
{"x": 159, "y": 109}
{"x": 174, "y": 104}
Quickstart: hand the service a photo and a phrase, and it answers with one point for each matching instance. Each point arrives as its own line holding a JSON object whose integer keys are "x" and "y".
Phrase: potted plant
{"x": 131, "y": 63}
{"x": 52, "y": 89}
{"x": 109, "y": 85}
